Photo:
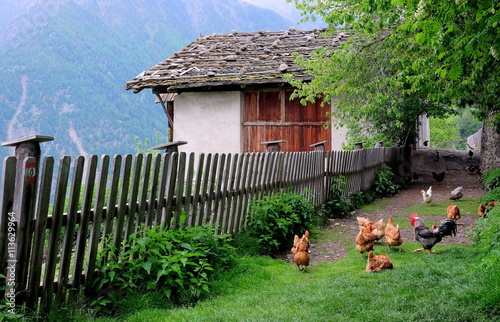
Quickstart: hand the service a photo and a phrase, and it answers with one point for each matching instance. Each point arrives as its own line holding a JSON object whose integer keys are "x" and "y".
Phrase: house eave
{"x": 177, "y": 86}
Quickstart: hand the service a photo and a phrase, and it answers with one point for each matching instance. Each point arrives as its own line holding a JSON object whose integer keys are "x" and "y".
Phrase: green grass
{"x": 376, "y": 205}
{"x": 420, "y": 287}
{"x": 447, "y": 286}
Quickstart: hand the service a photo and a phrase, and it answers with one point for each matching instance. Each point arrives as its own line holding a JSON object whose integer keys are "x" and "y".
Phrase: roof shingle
{"x": 235, "y": 59}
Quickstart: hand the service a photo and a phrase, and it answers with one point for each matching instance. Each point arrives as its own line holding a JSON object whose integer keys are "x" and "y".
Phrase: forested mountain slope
{"x": 64, "y": 64}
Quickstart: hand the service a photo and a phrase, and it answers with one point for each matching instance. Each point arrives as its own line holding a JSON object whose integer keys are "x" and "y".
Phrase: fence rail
{"x": 64, "y": 221}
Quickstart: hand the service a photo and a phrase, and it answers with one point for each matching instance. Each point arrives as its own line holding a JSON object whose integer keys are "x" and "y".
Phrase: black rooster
{"x": 438, "y": 176}
{"x": 429, "y": 237}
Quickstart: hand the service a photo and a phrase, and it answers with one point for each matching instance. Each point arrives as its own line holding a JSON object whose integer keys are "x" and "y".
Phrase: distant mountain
{"x": 64, "y": 64}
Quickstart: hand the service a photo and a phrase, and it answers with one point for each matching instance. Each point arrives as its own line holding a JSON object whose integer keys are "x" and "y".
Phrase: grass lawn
{"x": 419, "y": 288}
{"x": 447, "y": 286}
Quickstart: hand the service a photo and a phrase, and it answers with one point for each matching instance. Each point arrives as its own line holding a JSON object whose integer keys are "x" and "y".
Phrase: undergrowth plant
{"x": 383, "y": 185}
{"x": 491, "y": 179}
{"x": 177, "y": 262}
{"x": 339, "y": 204}
{"x": 342, "y": 202}
{"x": 274, "y": 220}
{"x": 486, "y": 234}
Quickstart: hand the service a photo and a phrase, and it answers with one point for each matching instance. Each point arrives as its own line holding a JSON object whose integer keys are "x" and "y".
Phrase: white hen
{"x": 427, "y": 195}
{"x": 457, "y": 193}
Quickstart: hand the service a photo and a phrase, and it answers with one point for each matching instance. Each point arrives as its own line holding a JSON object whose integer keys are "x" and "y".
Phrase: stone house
{"x": 231, "y": 95}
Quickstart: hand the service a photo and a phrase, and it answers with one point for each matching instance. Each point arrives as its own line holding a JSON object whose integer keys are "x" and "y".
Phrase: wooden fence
{"x": 49, "y": 250}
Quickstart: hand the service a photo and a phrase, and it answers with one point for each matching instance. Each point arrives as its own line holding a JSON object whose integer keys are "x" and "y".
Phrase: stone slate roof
{"x": 237, "y": 59}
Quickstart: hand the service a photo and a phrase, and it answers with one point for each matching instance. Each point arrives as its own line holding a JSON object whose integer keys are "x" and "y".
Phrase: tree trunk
{"x": 490, "y": 145}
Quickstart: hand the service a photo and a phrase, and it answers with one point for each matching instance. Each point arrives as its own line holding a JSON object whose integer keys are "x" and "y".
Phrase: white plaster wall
{"x": 338, "y": 132}
{"x": 209, "y": 121}
{"x": 338, "y": 137}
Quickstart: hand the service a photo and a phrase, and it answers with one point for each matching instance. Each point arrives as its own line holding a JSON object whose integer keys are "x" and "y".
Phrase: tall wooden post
{"x": 28, "y": 154}
{"x": 26, "y": 147}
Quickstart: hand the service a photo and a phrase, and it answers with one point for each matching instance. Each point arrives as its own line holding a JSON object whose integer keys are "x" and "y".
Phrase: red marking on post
{"x": 30, "y": 172}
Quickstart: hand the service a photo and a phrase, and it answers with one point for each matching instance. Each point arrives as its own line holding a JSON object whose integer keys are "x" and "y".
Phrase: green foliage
{"x": 358, "y": 132}
{"x": 492, "y": 195}
{"x": 444, "y": 133}
{"x": 274, "y": 220}
{"x": 467, "y": 124}
{"x": 487, "y": 234}
{"x": 177, "y": 262}
{"x": 491, "y": 179}
{"x": 383, "y": 185}
{"x": 145, "y": 147}
{"x": 7, "y": 312}
{"x": 339, "y": 204}
{"x": 405, "y": 58}
{"x": 452, "y": 132}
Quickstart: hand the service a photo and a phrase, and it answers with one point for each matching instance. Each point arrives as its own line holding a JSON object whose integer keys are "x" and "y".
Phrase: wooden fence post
{"x": 320, "y": 146}
{"x": 171, "y": 147}
{"x": 273, "y": 146}
{"x": 26, "y": 147}
{"x": 27, "y": 152}
{"x": 358, "y": 145}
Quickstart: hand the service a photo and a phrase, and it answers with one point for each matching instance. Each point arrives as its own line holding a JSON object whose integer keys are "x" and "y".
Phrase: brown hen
{"x": 392, "y": 234}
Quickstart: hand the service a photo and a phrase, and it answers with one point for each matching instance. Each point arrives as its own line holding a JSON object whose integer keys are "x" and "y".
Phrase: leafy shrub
{"x": 177, "y": 262}
{"x": 491, "y": 179}
{"x": 274, "y": 220}
{"x": 383, "y": 185}
{"x": 492, "y": 195}
{"x": 487, "y": 232}
{"x": 339, "y": 204}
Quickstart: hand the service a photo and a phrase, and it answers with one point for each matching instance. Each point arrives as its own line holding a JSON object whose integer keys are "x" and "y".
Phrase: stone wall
{"x": 454, "y": 162}
{"x": 490, "y": 145}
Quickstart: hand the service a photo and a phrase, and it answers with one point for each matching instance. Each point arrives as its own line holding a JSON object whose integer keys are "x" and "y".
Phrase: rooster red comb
{"x": 412, "y": 219}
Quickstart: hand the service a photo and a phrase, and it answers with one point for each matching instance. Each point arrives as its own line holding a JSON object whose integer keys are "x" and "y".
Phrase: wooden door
{"x": 272, "y": 116}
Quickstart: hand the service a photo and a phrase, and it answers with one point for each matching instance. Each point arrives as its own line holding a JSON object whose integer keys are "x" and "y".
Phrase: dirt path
{"x": 326, "y": 251}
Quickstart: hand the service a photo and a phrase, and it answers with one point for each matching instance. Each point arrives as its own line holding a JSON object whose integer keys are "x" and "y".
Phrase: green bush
{"x": 383, "y": 185}
{"x": 492, "y": 195}
{"x": 491, "y": 179}
{"x": 274, "y": 220}
{"x": 339, "y": 204}
{"x": 177, "y": 262}
{"x": 486, "y": 234}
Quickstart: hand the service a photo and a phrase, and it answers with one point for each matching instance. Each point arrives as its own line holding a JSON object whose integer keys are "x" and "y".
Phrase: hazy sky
{"x": 273, "y": 4}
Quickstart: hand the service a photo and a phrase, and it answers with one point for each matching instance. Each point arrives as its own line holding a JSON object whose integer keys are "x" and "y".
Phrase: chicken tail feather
{"x": 447, "y": 228}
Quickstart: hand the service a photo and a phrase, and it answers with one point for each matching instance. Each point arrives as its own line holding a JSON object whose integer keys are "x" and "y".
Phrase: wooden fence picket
{"x": 42, "y": 211}
{"x": 53, "y": 235}
{"x": 71, "y": 216}
{"x": 9, "y": 180}
{"x": 122, "y": 209}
